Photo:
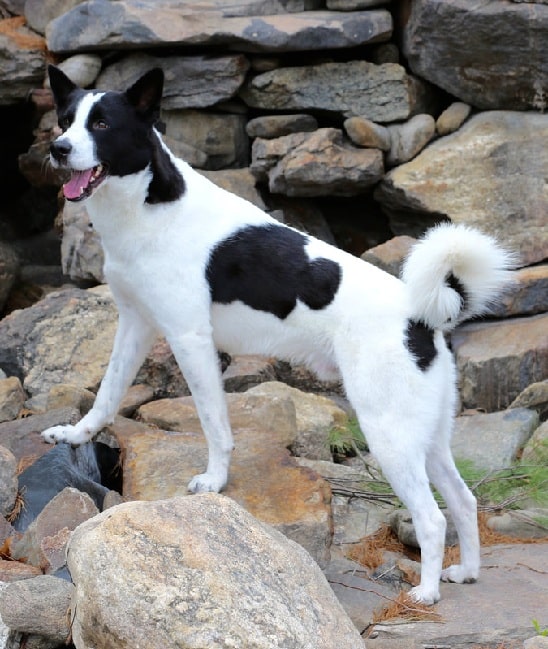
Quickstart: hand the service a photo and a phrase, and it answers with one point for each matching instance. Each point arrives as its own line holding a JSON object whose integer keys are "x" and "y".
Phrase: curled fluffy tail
{"x": 453, "y": 273}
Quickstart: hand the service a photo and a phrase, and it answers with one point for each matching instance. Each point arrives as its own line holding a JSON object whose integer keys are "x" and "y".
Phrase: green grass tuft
{"x": 507, "y": 488}
{"x": 347, "y": 440}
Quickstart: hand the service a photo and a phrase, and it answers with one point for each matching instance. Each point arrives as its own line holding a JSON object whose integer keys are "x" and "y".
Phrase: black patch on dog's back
{"x": 266, "y": 267}
{"x": 420, "y": 342}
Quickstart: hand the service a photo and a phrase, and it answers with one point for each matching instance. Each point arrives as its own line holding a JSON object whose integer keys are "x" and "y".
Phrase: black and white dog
{"x": 209, "y": 271}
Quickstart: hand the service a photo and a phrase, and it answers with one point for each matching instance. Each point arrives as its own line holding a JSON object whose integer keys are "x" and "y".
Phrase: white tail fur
{"x": 453, "y": 273}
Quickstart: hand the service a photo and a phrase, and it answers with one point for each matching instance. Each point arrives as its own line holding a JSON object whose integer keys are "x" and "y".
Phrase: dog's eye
{"x": 64, "y": 123}
{"x": 100, "y": 124}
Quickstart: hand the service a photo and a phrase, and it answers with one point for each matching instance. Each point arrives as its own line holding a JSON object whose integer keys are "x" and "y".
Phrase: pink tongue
{"x": 79, "y": 180}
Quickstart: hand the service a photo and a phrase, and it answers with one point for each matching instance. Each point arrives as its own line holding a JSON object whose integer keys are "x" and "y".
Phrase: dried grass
{"x": 17, "y": 508}
{"x": 369, "y": 551}
{"x": 405, "y": 608}
{"x": 25, "y": 462}
{"x": 492, "y": 537}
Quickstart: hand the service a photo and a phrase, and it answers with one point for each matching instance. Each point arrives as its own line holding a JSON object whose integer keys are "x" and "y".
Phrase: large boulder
{"x": 198, "y": 571}
{"x": 488, "y": 54}
{"x": 100, "y": 24}
{"x": 490, "y": 174}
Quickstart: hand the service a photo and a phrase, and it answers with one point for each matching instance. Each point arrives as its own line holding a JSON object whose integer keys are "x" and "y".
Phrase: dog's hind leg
{"x": 404, "y": 467}
{"x": 392, "y": 400}
{"x": 197, "y": 357}
{"x": 462, "y": 506}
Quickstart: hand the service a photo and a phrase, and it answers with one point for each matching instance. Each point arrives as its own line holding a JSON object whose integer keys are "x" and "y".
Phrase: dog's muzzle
{"x": 82, "y": 182}
{"x": 60, "y": 149}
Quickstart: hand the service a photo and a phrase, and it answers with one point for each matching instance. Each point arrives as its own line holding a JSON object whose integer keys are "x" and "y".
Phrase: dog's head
{"x": 104, "y": 133}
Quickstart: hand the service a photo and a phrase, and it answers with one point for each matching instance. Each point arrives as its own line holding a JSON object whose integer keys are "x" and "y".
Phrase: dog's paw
{"x": 459, "y": 574}
{"x": 206, "y": 482}
{"x": 67, "y": 433}
{"x": 424, "y": 595}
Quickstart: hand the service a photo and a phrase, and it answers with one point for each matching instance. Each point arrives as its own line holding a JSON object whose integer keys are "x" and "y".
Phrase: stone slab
{"x": 498, "y": 609}
{"x": 498, "y": 360}
{"x": 381, "y": 93}
{"x": 190, "y": 81}
{"x": 22, "y": 436}
{"x": 528, "y": 295}
{"x": 23, "y": 59}
{"x": 100, "y": 24}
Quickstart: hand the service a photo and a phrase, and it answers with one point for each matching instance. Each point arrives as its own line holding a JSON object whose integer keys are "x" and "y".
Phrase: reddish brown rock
{"x": 389, "y": 255}
{"x": 15, "y": 571}
{"x": 43, "y": 543}
{"x": 264, "y": 478}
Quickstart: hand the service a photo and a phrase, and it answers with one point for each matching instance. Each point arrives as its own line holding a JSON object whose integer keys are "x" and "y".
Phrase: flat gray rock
{"x": 381, "y": 93}
{"x": 100, "y": 24}
{"x": 492, "y": 441}
{"x": 190, "y": 81}
{"x": 498, "y": 609}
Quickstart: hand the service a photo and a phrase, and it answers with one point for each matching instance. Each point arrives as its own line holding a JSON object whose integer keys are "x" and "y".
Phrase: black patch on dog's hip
{"x": 420, "y": 342}
{"x": 266, "y": 267}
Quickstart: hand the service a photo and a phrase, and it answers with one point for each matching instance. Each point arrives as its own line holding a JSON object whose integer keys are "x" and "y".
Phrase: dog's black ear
{"x": 146, "y": 93}
{"x": 60, "y": 84}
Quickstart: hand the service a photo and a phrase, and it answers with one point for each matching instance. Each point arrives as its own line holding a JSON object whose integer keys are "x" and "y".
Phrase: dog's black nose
{"x": 60, "y": 148}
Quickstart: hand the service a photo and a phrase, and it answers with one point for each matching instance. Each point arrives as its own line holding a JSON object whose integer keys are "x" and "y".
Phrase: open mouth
{"x": 83, "y": 182}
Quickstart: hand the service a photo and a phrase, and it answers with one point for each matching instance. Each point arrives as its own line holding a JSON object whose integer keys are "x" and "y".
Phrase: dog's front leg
{"x": 132, "y": 342}
{"x": 197, "y": 357}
